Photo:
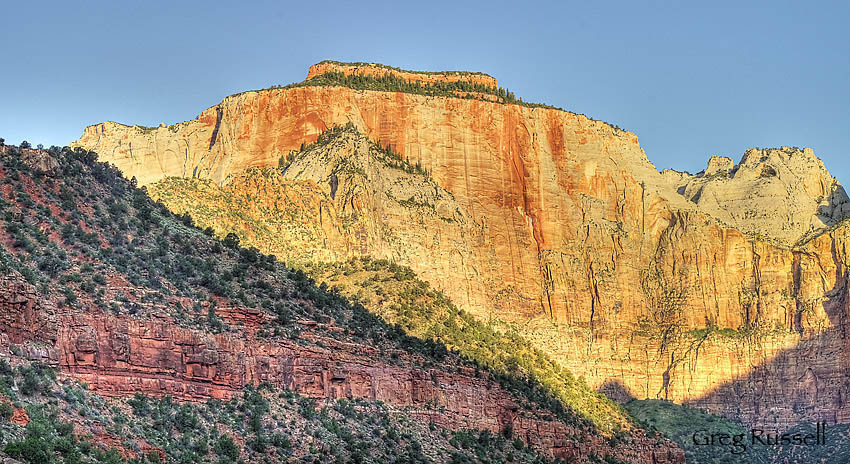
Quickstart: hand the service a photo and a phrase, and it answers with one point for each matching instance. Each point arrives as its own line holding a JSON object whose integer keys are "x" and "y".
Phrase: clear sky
{"x": 690, "y": 81}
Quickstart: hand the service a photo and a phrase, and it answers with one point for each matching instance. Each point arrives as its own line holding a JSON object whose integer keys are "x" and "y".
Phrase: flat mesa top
{"x": 377, "y": 70}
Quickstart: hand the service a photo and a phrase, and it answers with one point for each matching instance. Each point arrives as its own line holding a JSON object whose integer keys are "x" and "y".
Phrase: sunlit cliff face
{"x": 646, "y": 284}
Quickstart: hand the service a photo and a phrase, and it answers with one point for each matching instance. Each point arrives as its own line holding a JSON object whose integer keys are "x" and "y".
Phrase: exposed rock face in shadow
{"x": 803, "y": 384}
{"x": 810, "y": 381}
{"x": 616, "y": 391}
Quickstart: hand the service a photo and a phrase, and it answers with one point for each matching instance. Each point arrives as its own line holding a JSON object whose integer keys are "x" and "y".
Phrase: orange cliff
{"x": 566, "y": 228}
{"x": 506, "y": 165}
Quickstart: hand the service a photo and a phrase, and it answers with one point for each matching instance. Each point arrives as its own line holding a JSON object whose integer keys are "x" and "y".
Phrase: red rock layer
{"x": 121, "y": 356}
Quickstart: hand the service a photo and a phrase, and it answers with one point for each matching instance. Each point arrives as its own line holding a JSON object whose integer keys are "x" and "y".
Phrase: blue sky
{"x": 691, "y": 81}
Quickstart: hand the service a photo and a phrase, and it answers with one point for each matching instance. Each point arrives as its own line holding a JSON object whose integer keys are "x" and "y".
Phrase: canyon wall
{"x": 561, "y": 225}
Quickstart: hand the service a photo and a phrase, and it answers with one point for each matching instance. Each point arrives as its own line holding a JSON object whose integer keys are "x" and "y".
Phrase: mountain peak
{"x": 783, "y": 193}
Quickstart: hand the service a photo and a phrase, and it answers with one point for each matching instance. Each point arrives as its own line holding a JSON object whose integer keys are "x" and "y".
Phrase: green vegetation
{"x": 46, "y": 438}
{"x": 49, "y": 440}
{"x": 392, "y": 83}
{"x": 384, "y": 154}
{"x": 836, "y": 448}
{"x": 721, "y": 174}
{"x": 146, "y": 129}
{"x": 420, "y": 311}
{"x": 391, "y": 68}
{"x": 679, "y": 422}
{"x": 261, "y": 424}
{"x": 752, "y": 333}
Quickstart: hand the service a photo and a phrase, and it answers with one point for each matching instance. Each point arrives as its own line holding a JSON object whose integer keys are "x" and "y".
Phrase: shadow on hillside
{"x": 807, "y": 383}
{"x": 837, "y": 208}
{"x": 615, "y": 390}
{"x": 214, "y": 137}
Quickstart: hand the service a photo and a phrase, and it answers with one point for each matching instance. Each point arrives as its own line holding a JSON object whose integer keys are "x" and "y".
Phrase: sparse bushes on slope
{"x": 393, "y": 83}
{"x": 385, "y": 153}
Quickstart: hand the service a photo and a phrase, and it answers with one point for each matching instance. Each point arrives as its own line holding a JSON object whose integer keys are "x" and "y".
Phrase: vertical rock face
{"x": 719, "y": 165}
{"x": 689, "y": 288}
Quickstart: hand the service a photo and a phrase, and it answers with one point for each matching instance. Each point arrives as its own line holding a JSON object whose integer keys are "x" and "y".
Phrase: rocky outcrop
{"x": 19, "y": 417}
{"x": 650, "y": 284}
{"x": 122, "y": 355}
{"x": 782, "y": 194}
{"x": 719, "y": 165}
{"x": 378, "y": 70}
{"x": 37, "y": 159}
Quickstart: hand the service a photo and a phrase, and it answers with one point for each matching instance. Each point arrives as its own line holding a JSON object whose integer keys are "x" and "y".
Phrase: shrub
{"x": 36, "y": 378}
{"x": 141, "y": 406}
{"x": 231, "y": 240}
{"x": 70, "y": 296}
{"x": 6, "y": 411}
{"x": 225, "y": 446}
{"x": 214, "y": 320}
{"x": 5, "y": 368}
{"x": 281, "y": 442}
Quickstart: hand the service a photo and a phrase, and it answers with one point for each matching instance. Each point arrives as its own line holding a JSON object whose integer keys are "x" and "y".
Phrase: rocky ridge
{"x": 123, "y": 356}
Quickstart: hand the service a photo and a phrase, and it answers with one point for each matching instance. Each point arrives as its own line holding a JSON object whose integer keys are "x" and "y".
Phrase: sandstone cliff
{"x": 647, "y": 284}
{"x": 123, "y": 356}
